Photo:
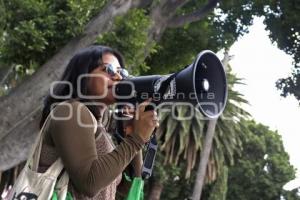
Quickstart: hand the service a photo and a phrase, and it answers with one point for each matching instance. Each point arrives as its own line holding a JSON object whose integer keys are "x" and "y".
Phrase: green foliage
{"x": 263, "y": 167}
{"x": 291, "y": 195}
{"x": 181, "y": 138}
{"x": 179, "y": 47}
{"x": 176, "y": 186}
{"x": 290, "y": 85}
{"x": 235, "y": 16}
{"x": 32, "y": 31}
{"x": 259, "y": 171}
{"x": 282, "y": 20}
{"x": 219, "y": 189}
{"x": 35, "y": 30}
{"x": 167, "y": 175}
{"x": 2, "y": 19}
{"x": 281, "y": 17}
{"x": 130, "y": 36}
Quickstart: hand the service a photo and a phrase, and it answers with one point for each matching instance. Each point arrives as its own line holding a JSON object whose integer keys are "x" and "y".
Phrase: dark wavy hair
{"x": 82, "y": 62}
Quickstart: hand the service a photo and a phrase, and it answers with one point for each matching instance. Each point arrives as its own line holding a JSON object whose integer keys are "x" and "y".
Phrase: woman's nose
{"x": 117, "y": 77}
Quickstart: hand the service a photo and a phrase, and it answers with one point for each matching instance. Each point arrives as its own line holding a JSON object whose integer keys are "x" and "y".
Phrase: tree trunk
{"x": 201, "y": 171}
{"x": 156, "y": 188}
{"x": 21, "y": 108}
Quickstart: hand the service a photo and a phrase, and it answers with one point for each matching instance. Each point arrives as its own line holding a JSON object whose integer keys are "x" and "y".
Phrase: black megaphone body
{"x": 202, "y": 83}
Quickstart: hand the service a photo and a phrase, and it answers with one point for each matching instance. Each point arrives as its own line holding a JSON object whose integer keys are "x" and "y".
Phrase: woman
{"x": 93, "y": 163}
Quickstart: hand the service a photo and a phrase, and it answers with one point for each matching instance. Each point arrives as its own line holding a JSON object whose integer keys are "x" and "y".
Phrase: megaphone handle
{"x": 152, "y": 146}
{"x": 149, "y": 158}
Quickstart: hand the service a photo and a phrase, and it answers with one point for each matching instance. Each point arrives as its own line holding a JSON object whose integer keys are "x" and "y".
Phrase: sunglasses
{"x": 112, "y": 70}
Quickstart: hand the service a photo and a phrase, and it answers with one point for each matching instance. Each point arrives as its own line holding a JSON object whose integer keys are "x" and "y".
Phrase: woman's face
{"x": 100, "y": 82}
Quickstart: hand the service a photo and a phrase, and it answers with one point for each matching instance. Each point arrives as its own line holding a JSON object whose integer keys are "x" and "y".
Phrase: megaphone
{"x": 202, "y": 83}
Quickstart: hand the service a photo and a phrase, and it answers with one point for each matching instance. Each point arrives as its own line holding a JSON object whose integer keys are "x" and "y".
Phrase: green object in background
{"x": 136, "y": 191}
{"x": 54, "y": 196}
{"x": 68, "y": 197}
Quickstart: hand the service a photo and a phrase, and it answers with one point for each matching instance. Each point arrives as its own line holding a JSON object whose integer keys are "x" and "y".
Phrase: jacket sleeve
{"x": 72, "y": 132}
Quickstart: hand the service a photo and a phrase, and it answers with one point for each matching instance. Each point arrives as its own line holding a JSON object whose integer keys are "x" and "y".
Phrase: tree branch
{"x": 172, "y": 5}
{"x": 6, "y": 75}
{"x": 178, "y": 21}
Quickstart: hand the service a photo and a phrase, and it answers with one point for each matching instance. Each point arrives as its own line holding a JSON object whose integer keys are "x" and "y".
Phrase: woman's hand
{"x": 145, "y": 121}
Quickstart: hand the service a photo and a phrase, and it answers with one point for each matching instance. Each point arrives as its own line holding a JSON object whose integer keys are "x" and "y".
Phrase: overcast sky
{"x": 261, "y": 64}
